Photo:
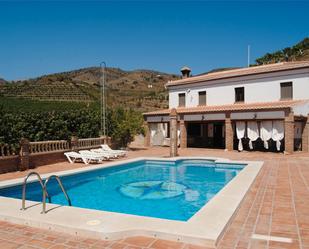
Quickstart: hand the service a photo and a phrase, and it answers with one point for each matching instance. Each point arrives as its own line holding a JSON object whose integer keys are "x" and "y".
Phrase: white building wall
{"x": 262, "y": 89}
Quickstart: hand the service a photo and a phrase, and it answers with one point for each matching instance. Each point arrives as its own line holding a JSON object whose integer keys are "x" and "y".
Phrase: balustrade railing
{"x": 51, "y": 146}
{"x": 7, "y": 150}
{"x": 22, "y": 159}
{"x": 48, "y": 146}
{"x": 90, "y": 142}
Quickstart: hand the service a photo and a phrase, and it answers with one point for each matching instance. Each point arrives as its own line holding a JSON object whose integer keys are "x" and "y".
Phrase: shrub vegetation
{"x": 299, "y": 51}
{"x": 41, "y": 121}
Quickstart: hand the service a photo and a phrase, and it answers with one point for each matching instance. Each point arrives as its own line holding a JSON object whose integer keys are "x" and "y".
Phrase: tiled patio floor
{"x": 276, "y": 209}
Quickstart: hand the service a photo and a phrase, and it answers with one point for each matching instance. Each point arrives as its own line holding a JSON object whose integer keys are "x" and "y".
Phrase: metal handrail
{"x": 45, "y": 191}
{"x": 25, "y": 185}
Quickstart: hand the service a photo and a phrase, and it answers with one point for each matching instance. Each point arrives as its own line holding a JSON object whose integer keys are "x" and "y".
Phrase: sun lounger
{"x": 72, "y": 156}
{"x": 105, "y": 147}
{"x": 89, "y": 153}
{"x": 104, "y": 152}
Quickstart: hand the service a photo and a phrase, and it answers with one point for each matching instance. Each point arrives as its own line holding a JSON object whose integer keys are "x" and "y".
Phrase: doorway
{"x": 219, "y": 135}
{"x": 206, "y": 135}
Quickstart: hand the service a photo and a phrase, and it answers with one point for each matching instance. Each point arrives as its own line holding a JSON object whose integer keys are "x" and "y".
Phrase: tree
{"x": 126, "y": 124}
{"x": 122, "y": 124}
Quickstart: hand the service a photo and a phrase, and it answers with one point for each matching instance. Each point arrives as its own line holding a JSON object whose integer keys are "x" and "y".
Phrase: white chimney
{"x": 185, "y": 71}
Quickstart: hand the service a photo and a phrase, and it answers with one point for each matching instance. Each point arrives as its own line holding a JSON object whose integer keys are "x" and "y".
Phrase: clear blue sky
{"x": 45, "y": 37}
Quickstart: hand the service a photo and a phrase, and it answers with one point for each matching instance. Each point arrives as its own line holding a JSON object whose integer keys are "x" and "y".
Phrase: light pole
{"x": 103, "y": 99}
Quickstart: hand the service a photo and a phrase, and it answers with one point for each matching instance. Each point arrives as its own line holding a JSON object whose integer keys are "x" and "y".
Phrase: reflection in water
{"x": 191, "y": 195}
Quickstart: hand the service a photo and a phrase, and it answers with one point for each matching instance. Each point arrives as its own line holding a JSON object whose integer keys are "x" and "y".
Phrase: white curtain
{"x": 252, "y": 132}
{"x": 158, "y": 137}
{"x": 240, "y": 131}
{"x": 163, "y": 128}
{"x": 278, "y": 133}
{"x": 266, "y": 132}
{"x": 178, "y": 135}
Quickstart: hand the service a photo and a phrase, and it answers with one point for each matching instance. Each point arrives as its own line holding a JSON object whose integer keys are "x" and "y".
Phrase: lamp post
{"x": 103, "y": 99}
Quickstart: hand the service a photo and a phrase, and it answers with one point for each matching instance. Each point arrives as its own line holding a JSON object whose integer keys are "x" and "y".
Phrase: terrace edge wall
{"x": 9, "y": 164}
{"x": 12, "y": 163}
{"x": 37, "y": 160}
{"x": 36, "y": 154}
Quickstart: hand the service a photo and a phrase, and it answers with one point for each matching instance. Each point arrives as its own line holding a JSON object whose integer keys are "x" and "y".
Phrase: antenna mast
{"x": 248, "y": 55}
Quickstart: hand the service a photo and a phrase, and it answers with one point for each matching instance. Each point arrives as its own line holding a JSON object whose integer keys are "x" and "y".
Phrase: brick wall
{"x": 9, "y": 164}
{"x": 12, "y": 163}
{"x": 229, "y": 136}
{"x": 289, "y": 132}
{"x": 183, "y": 134}
{"x": 305, "y": 136}
{"x": 173, "y": 133}
{"x": 35, "y": 154}
{"x": 46, "y": 158}
{"x": 147, "y": 135}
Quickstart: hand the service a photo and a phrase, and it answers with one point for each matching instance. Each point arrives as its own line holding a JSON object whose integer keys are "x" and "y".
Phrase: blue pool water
{"x": 162, "y": 189}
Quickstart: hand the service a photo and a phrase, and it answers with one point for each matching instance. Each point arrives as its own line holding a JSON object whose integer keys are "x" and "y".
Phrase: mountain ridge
{"x": 141, "y": 89}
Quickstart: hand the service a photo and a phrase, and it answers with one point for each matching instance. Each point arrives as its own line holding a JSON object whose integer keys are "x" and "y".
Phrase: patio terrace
{"x": 274, "y": 213}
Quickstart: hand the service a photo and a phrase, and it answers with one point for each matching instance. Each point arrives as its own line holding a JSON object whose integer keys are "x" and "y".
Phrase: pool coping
{"x": 204, "y": 228}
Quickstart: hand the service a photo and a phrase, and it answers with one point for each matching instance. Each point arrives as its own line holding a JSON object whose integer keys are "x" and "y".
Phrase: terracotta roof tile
{"x": 242, "y": 72}
{"x": 233, "y": 107}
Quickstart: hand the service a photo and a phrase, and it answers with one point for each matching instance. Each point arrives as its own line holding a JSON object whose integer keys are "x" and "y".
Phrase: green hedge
{"x": 37, "y": 123}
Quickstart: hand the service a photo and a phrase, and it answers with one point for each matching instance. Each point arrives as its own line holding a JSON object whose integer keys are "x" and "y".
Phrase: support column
{"x": 183, "y": 134}
{"x": 105, "y": 140}
{"x": 305, "y": 136}
{"x": 74, "y": 143}
{"x": 229, "y": 136}
{"x": 109, "y": 141}
{"x": 24, "y": 154}
{"x": 289, "y": 132}
{"x": 147, "y": 134}
{"x": 173, "y": 133}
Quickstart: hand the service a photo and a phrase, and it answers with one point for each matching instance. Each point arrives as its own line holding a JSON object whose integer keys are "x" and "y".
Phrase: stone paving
{"x": 274, "y": 214}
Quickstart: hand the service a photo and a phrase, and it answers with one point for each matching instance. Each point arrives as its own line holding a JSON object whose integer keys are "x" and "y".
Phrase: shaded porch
{"x": 217, "y": 127}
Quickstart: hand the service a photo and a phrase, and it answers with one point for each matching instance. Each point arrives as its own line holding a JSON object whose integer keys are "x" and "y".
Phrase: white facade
{"x": 258, "y": 88}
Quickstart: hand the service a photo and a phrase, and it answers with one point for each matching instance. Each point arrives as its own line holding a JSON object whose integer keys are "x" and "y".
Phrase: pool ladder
{"x": 44, "y": 190}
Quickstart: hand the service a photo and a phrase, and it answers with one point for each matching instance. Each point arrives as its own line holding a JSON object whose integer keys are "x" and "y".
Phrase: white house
{"x": 255, "y": 108}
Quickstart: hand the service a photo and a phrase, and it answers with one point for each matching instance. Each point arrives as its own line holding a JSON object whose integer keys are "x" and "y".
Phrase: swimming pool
{"x": 173, "y": 190}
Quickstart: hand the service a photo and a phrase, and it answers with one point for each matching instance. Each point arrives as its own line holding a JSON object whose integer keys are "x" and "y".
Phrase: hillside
{"x": 298, "y": 52}
{"x": 139, "y": 89}
{"x": 2, "y": 81}
{"x": 142, "y": 90}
